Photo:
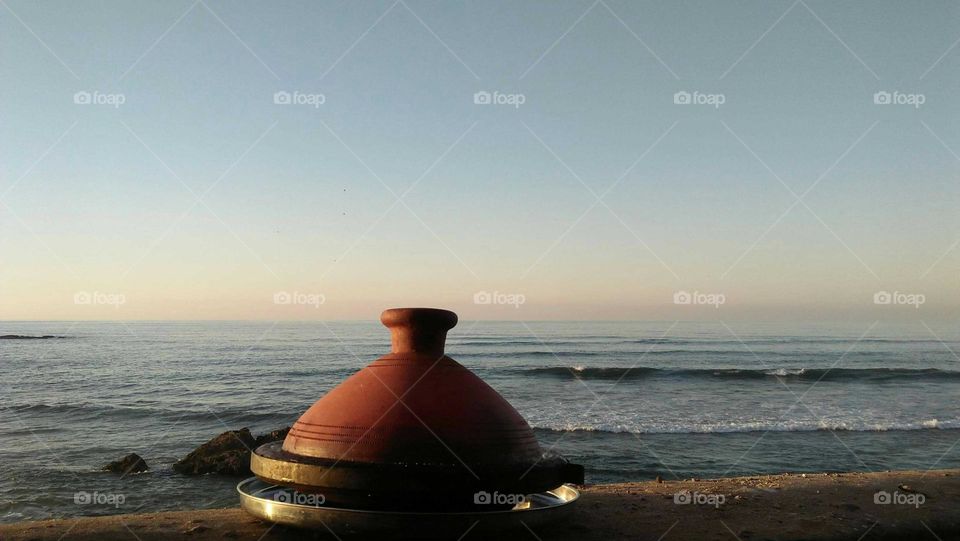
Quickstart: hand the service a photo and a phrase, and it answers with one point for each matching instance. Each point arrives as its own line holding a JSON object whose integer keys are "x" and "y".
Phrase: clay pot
{"x": 412, "y": 430}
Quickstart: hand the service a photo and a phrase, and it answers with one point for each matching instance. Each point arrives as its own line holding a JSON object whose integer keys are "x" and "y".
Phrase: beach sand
{"x": 794, "y": 506}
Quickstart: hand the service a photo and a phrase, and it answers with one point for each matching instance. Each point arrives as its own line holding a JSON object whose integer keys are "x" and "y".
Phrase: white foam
{"x": 752, "y": 426}
{"x": 783, "y": 372}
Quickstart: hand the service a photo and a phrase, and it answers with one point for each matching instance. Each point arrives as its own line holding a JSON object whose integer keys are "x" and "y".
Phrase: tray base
{"x": 282, "y": 505}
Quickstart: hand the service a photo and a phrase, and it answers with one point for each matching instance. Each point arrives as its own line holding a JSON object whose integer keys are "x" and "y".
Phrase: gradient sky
{"x": 293, "y": 198}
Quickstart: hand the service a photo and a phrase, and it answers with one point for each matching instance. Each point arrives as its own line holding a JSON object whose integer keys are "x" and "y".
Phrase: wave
{"x": 619, "y": 340}
{"x": 28, "y": 337}
{"x": 515, "y": 354}
{"x": 98, "y": 410}
{"x": 759, "y": 427}
{"x": 801, "y": 374}
{"x": 605, "y": 340}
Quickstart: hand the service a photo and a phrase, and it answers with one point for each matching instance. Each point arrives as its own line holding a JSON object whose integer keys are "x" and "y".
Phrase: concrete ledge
{"x": 783, "y": 507}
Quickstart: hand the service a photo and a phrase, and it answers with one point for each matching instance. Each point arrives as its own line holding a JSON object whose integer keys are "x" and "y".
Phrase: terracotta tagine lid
{"x": 413, "y": 429}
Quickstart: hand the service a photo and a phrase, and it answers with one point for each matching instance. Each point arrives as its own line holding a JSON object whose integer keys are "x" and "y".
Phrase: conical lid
{"x": 415, "y": 406}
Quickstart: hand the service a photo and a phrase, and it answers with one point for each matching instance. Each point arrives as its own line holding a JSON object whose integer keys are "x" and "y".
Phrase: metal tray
{"x": 282, "y": 505}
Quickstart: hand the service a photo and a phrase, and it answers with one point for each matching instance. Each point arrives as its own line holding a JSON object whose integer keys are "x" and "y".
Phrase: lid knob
{"x": 418, "y": 330}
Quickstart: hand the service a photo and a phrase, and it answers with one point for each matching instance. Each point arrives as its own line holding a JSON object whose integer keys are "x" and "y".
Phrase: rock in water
{"x": 131, "y": 463}
{"x": 276, "y": 435}
{"x": 226, "y": 454}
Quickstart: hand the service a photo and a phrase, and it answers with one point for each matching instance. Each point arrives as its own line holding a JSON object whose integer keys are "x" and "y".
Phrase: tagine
{"x": 413, "y": 430}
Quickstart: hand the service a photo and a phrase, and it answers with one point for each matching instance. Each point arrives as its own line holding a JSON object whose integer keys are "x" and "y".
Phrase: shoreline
{"x": 825, "y": 506}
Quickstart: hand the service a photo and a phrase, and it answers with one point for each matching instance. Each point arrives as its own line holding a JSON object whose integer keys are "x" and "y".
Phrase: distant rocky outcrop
{"x": 131, "y": 463}
{"x": 226, "y": 454}
{"x": 25, "y": 337}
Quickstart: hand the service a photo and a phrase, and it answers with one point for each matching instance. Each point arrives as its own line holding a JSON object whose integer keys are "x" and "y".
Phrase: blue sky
{"x": 294, "y": 198}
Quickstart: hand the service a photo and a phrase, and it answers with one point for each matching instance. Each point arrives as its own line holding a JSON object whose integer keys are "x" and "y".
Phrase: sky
{"x": 507, "y": 160}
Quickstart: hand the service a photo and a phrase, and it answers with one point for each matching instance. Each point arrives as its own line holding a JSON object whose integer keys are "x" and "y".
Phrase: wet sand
{"x": 811, "y": 506}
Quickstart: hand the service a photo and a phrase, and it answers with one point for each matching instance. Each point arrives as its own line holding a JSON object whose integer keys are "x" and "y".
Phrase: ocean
{"x": 628, "y": 400}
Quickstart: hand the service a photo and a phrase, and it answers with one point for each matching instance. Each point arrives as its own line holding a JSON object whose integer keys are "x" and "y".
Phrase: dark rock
{"x": 131, "y": 463}
{"x": 24, "y": 337}
{"x": 226, "y": 454}
{"x": 276, "y": 435}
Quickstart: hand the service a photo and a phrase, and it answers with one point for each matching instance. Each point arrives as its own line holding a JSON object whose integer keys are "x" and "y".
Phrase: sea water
{"x": 628, "y": 400}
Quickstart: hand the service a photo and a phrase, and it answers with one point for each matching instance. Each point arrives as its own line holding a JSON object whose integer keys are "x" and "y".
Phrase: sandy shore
{"x": 811, "y": 506}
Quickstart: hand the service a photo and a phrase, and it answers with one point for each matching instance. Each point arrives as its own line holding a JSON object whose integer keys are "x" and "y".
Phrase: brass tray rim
{"x": 567, "y": 493}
